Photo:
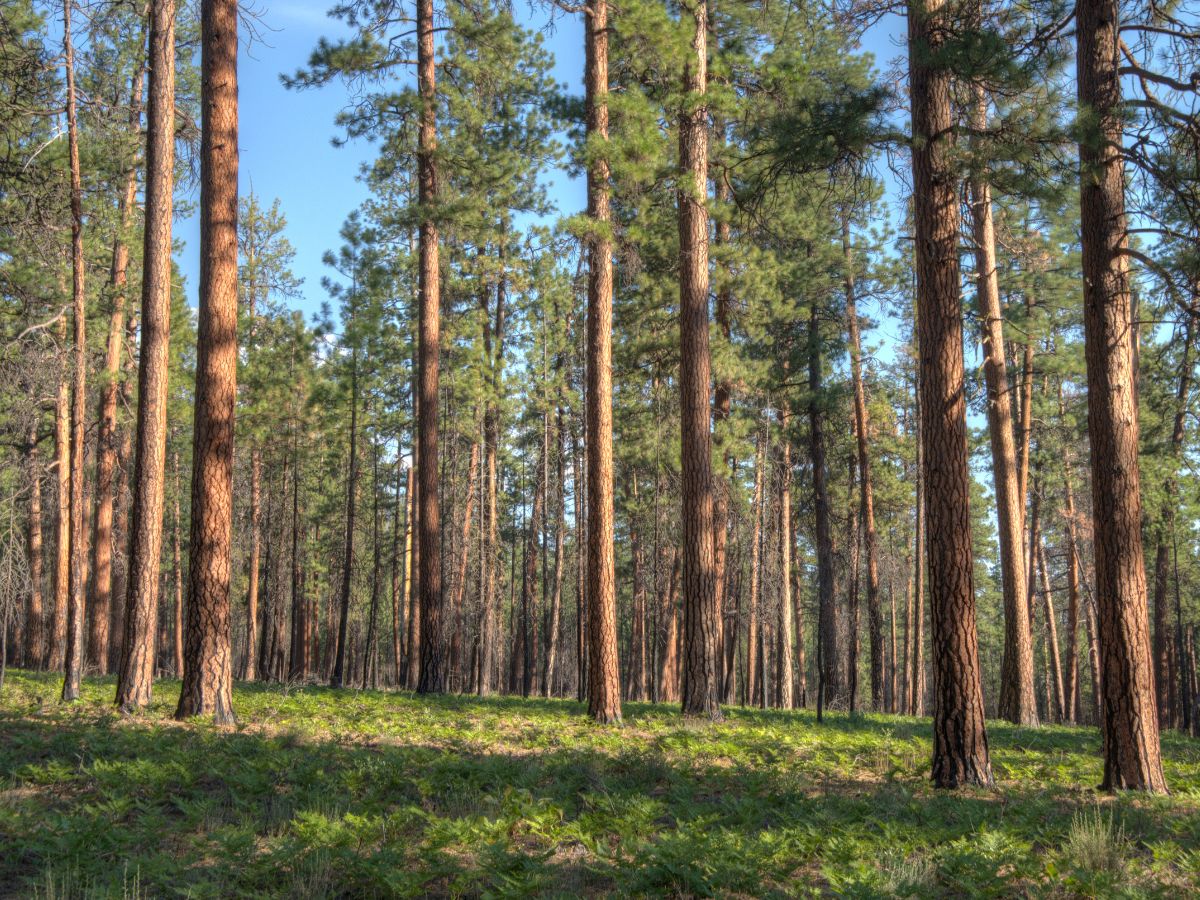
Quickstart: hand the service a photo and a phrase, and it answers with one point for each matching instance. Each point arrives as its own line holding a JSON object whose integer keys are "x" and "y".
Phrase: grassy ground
{"x": 320, "y": 793}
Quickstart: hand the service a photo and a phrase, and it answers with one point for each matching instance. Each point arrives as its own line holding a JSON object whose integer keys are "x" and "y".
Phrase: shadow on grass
{"x": 661, "y": 807}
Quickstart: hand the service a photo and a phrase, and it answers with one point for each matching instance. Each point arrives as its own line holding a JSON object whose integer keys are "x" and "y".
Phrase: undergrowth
{"x": 317, "y": 793}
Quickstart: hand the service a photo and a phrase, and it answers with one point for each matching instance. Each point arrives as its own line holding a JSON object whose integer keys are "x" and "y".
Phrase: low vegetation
{"x": 319, "y": 793}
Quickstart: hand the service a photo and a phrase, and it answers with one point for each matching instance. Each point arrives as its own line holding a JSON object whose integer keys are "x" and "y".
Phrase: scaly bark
{"x": 77, "y": 582}
{"x": 136, "y": 668}
{"x": 1130, "y": 723}
{"x": 432, "y": 658}
{"x": 207, "y": 670}
{"x": 1017, "y": 701}
{"x": 960, "y": 752}
{"x": 604, "y": 682}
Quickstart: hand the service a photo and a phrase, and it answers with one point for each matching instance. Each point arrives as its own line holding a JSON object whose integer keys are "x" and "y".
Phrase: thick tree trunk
{"x": 604, "y": 685}
{"x": 1017, "y": 702}
{"x": 136, "y": 668}
{"x": 433, "y": 668}
{"x": 1130, "y": 723}
{"x": 960, "y": 753}
{"x": 701, "y": 688}
{"x": 207, "y": 671}
{"x": 77, "y": 582}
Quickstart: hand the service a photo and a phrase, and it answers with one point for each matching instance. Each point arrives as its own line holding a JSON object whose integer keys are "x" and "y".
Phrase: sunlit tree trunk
{"x": 604, "y": 682}
{"x": 73, "y": 661}
{"x": 207, "y": 671}
{"x": 432, "y": 659}
{"x": 1130, "y": 722}
{"x": 960, "y": 753}
{"x": 136, "y": 667}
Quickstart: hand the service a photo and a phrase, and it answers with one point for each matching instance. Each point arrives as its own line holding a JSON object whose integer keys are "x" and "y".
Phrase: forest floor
{"x": 317, "y": 793}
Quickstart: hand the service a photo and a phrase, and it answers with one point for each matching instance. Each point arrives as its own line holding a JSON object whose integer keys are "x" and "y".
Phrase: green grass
{"x": 318, "y": 793}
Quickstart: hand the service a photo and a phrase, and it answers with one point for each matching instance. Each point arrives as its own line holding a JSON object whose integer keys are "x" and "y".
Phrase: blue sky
{"x": 285, "y": 135}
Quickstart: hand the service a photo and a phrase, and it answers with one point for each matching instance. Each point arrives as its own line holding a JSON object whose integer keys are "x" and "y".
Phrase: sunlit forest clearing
{"x": 614, "y": 447}
{"x": 320, "y": 793}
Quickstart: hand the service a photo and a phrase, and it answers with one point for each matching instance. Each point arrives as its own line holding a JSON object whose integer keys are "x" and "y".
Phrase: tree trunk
{"x": 339, "y": 664}
{"x": 106, "y": 435}
{"x": 207, "y": 674}
{"x": 1017, "y": 702}
{"x": 604, "y": 685}
{"x": 1164, "y": 674}
{"x": 401, "y": 537}
{"x": 460, "y": 581}
{"x": 560, "y": 534}
{"x": 1071, "y": 690}
{"x": 853, "y": 539}
{"x": 1055, "y": 661}
{"x": 73, "y": 662}
{"x": 862, "y": 424}
{"x": 35, "y": 617}
{"x": 752, "y": 627}
{"x": 960, "y": 754}
{"x": 786, "y": 695}
{"x": 299, "y": 667}
{"x": 433, "y": 670}
{"x": 701, "y": 690}
{"x": 1130, "y": 723}
{"x": 56, "y": 648}
{"x": 827, "y": 628}
{"x": 136, "y": 668}
{"x": 371, "y": 648}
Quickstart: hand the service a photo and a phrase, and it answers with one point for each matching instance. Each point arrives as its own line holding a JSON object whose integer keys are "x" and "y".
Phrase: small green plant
{"x": 1095, "y": 844}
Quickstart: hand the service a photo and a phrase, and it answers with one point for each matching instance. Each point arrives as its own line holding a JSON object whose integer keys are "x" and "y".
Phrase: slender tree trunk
{"x": 827, "y": 628}
{"x": 853, "y": 540}
{"x": 412, "y": 594}
{"x": 560, "y": 534}
{"x": 1130, "y": 723}
{"x": 207, "y": 674}
{"x": 866, "y": 487}
{"x": 960, "y": 753}
{"x": 401, "y": 537}
{"x": 752, "y": 627}
{"x": 604, "y": 685}
{"x": 1055, "y": 661}
{"x": 177, "y": 568}
{"x": 787, "y": 698}
{"x": 1071, "y": 690}
{"x": 919, "y": 564}
{"x": 56, "y": 648}
{"x": 1164, "y": 675}
{"x": 136, "y": 668}
{"x": 371, "y": 648}
{"x": 299, "y": 668}
{"x": 433, "y": 669}
{"x": 106, "y": 436}
{"x": 1017, "y": 702}
{"x": 73, "y": 663}
{"x": 35, "y": 617}
{"x": 460, "y": 581}
{"x": 339, "y": 664}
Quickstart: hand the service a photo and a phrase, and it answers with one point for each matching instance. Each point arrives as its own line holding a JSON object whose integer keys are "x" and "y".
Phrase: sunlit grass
{"x": 322, "y": 793}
